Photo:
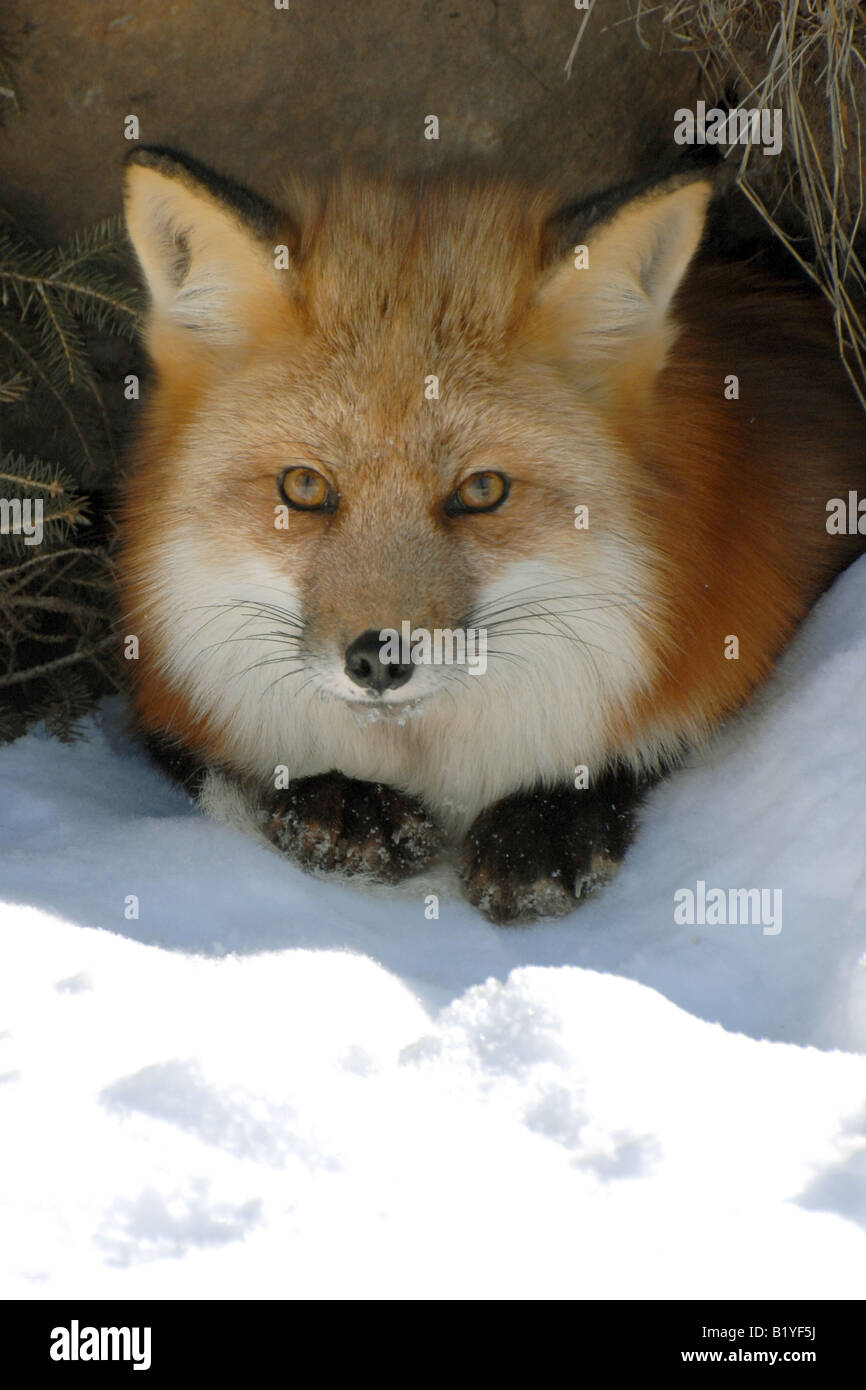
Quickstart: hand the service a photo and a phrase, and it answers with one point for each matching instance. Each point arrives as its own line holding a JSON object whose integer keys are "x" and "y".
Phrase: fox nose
{"x": 365, "y": 666}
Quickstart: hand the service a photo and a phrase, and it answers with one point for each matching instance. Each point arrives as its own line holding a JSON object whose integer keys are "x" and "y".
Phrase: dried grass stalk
{"x": 804, "y": 57}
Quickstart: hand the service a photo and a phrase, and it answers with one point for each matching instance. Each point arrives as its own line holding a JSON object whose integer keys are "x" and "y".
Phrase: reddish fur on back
{"x": 734, "y": 492}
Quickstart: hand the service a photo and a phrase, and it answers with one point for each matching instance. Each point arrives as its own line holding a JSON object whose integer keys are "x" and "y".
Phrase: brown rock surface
{"x": 255, "y": 90}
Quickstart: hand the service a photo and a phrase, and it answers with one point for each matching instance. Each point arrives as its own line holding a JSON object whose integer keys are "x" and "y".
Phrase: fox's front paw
{"x": 335, "y": 824}
{"x": 538, "y": 854}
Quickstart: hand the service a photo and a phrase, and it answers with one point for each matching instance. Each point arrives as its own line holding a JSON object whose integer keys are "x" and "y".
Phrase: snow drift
{"x": 269, "y": 1085}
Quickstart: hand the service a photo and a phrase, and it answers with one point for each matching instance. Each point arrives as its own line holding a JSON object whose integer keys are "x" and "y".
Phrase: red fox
{"x": 391, "y": 410}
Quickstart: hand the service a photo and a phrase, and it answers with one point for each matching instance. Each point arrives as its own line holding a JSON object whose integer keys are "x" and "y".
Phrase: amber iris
{"x": 305, "y": 489}
{"x": 481, "y": 492}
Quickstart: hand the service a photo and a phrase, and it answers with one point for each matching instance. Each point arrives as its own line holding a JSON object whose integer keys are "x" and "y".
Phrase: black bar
{"x": 222, "y": 1338}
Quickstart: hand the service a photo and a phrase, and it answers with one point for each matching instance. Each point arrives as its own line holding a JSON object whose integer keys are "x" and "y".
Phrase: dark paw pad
{"x": 334, "y": 824}
{"x": 540, "y": 854}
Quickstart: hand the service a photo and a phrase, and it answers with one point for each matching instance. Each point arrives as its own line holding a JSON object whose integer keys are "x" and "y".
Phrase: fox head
{"x": 393, "y": 404}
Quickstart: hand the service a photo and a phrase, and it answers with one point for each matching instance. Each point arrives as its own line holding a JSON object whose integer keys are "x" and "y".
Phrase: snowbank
{"x": 267, "y": 1085}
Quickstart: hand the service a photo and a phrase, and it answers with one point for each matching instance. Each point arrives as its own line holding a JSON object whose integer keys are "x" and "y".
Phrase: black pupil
{"x": 306, "y": 485}
{"x": 483, "y": 487}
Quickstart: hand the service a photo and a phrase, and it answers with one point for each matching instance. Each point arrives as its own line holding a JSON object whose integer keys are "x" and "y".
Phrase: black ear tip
{"x": 576, "y": 222}
{"x": 159, "y": 157}
{"x": 201, "y": 179}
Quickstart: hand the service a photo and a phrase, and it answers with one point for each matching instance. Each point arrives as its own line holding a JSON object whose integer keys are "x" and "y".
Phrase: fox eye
{"x": 481, "y": 492}
{"x": 306, "y": 490}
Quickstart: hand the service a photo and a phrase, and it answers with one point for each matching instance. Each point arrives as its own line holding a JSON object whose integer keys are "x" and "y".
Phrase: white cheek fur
{"x": 559, "y": 668}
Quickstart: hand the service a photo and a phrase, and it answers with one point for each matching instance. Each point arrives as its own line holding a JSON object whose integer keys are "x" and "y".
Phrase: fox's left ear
{"x": 207, "y": 250}
{"x": 611, "y": 295}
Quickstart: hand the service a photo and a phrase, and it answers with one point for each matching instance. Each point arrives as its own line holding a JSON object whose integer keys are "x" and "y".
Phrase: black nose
{"x": 365, "y": 666}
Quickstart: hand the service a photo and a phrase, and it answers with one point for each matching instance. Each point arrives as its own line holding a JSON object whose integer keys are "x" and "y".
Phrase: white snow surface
{"x": 270, "y": 1085}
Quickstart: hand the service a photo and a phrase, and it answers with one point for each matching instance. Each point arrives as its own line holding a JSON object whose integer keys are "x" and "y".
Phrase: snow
{"x": 269, "y": 1085}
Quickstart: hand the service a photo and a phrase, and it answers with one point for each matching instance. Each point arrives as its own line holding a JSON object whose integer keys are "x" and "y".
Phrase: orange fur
{"x": 736, "y": 491}
{"x": 719, "y": 504}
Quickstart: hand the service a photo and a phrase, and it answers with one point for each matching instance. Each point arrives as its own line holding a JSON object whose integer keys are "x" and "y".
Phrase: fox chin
{"x": 452, "y": 523}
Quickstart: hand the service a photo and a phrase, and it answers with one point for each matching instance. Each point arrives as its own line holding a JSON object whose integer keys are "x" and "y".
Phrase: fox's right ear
{"x": 208, "y": 250}
{"x": 610, "y": 308}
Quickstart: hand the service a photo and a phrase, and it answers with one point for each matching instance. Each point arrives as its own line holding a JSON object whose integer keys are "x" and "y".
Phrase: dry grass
{"x": 806, "y": 58}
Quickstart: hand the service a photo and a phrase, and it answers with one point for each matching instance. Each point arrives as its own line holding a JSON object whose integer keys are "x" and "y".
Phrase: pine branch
{"x": 96, "y": 296}
{"x": 58, "y": 644}
{"x": 64, "y": 346}
{"x": 15, "y": 343}
{"x": 48, "y": 667}
{"x": 62, "y": 509}
{"x": 106, "y": 238}
{"x": 78, "y": 552}
{"x": 14, "y": 389}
